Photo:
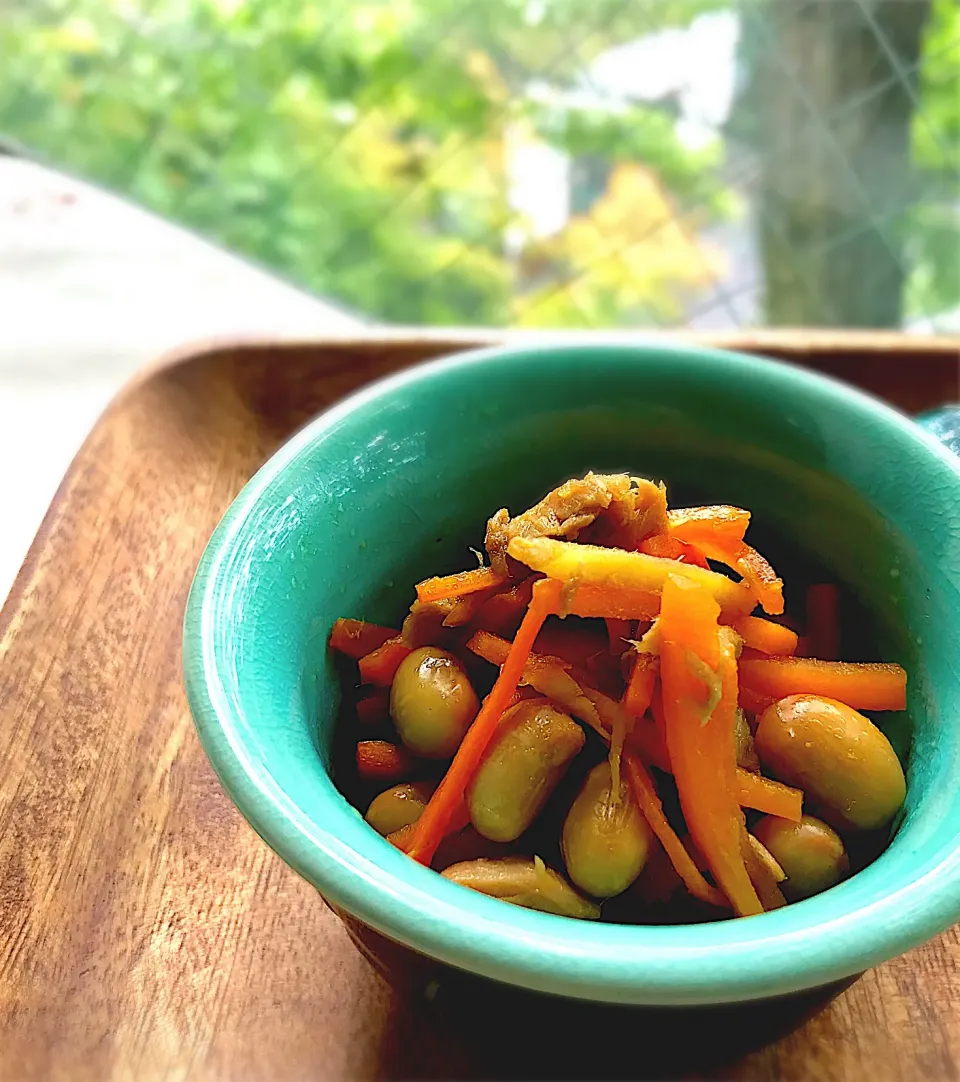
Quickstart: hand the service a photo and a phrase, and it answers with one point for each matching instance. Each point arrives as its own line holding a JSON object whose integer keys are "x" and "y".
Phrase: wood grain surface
{"x": 147, "y": 933}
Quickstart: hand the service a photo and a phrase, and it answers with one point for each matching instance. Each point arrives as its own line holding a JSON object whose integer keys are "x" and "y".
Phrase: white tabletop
{"x": 91, "y": 289}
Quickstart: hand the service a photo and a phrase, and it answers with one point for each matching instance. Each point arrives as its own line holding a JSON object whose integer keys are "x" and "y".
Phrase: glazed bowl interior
{"x": 397, "y": 482}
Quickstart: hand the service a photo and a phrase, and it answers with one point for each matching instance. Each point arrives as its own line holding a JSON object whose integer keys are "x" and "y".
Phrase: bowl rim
{"x": 691, "y": 964}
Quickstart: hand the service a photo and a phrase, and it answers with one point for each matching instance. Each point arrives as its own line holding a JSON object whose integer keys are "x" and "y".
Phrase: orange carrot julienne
{"x": 756, "y": 572}
{"x": 766, "y": 636}
{"x": 460, "y": 817}
{"x": 434, "y": 822}
{"x": 439, "y": 588}
{"x": 719, "y": 523}
{"x": 749, "y": 700}
{"x": 374, "y": 707}
{"x": 379, "y": 760}
{"x": 672, "y": 548}
{"x": 698, "y": 676}
{"x": 380, "y": 667}
{"x": 636, "y": 699}
{"x": 645, "y": 793}
{"x": 769, "y": 796}
{"x": 861, "y": 686}
{"x": 613, "y": 603}
{"x": 355, "y": 638}
{"x": 691, "y": 621}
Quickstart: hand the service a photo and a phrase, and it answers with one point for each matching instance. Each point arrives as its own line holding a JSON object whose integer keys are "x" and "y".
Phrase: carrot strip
{"x": 750, "y": 700}
{"x": 636, "y": 699}
{"x": 768, "y": 796}
{"x": 672, "y": 548}
{"x": 766, "y": 636}
{"x": 645, "y": 794}
{"x": 719, "y": 523}
{"x": 760, "y": 576}
{"x": 862, "y": 686}
{"x": 757, "y": 573}
{"x": 374, "y": 707}
{"x": 823, "y": 621}
{"x": 616, "y": 569}
{"x": 434, "y": 823}
{"x": 699, "y": 680}
{"x": 613, "y": 603}
{"x": 379, "y": 760}
{"x": 439, "y": 588}
{"x": 380, "y": 667}
{"x": 460, "y": 817}
{"x": 355, "y": 638}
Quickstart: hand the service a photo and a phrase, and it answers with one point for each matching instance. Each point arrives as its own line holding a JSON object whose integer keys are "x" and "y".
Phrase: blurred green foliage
{"x": 932, "y": 225}
{"x": 363, "y": 149}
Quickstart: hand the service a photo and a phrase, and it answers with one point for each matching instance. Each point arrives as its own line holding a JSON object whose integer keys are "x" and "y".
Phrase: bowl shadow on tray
{"x": 449, "y": 1024}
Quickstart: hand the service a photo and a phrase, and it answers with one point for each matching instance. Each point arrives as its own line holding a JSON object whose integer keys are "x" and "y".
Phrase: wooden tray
{"x": 146, "y": 932}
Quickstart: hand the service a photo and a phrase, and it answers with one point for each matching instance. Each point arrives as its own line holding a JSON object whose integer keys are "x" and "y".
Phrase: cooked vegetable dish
{"x": 596, "y": 724}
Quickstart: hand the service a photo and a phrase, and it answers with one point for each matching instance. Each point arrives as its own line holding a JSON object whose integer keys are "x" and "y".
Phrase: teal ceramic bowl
{"x": 395, "y": 482}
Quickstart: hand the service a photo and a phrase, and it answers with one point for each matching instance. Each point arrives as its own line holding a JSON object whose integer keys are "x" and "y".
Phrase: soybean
{"x": 398, "y": 807}
{"x": 432, "y": 702}
{"x": 605, "y": 840}
{"x": 839, "y": 758}
{"x": 811, "y": 854}
{"x": 528, "y": 756}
